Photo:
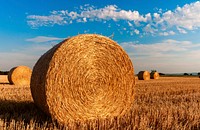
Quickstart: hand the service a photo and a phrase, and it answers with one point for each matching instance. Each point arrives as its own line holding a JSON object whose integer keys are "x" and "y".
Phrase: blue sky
{"x": 162, "y": 35}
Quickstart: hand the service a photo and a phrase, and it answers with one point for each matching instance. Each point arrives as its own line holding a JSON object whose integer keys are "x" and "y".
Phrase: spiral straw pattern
{"x": 154, "y": 75}
{"x": 143, "y": 75}
{"x": 85, "y": 77}
{"x": 20, "y": 75}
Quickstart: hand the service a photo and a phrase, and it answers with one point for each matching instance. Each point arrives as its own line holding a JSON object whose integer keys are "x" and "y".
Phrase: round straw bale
{"x": 143, "y": 75}
{"x": 154, "y": 75}
{"x": 85, "y": 77}
{"x": 20, "y": 75}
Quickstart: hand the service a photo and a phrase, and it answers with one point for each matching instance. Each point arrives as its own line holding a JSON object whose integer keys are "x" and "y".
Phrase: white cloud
{"x": 148, "y": 17}
{"x": 168, "y": 56}
{"x": 36, "y": 20}
{"x": 167, "y": 33}
{"x": 40, "y": 39}
{"x": 186, "y": 17}
{"x": 181, "y": 30}
{"x": 171, "y": 22}
{"x": 137, "y": 31}
{"x": 72, "y": 15}
{"x": 150, "y": 29}
{"x": 85, "y": 20}
{"x": 171, "y": 33}
{"x": 110, "y": 12}
{"x": 130, "y": 24}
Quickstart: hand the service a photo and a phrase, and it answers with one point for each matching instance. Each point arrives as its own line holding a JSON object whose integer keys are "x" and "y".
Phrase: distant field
{"x": 176, "y": 75}
{"x": 166, "y": 103}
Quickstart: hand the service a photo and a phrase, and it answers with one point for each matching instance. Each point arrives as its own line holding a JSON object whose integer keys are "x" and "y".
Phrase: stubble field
{"x": 167, "y": 103}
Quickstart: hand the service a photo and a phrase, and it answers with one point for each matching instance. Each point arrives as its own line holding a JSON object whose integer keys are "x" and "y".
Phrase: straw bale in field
{"x": 85, "y": 77}
{"x": 20, "y": 75}
{"x": 154, "y": 75}
{"x": 143, "y": 75}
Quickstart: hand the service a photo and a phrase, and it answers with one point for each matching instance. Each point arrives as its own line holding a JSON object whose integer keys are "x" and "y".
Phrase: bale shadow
{"x": 5, "y": 83}
{"x": 25, "y": 111}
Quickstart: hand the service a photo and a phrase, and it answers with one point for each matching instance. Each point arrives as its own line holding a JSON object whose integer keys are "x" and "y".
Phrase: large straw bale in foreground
{"x": 154, "y": 75}
{"x": 84, "y": 77}
{"x": 20, "y": 75}
{"x": 143, "y": 75}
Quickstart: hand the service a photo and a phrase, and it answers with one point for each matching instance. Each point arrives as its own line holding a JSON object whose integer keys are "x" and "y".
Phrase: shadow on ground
{"x": 4, "y": 83}
{"x": 22, "y": 111}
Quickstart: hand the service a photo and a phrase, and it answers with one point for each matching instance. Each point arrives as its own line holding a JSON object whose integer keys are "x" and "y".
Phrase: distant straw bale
{"x": 143, "y": 75}
{"x": 154, "y": 75}
{"x": 84, "y": 77}
{"x": 20, "y": 75}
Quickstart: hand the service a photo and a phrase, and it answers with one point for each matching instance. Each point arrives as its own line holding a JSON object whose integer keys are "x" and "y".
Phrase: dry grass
{"x": 167, "y": 103}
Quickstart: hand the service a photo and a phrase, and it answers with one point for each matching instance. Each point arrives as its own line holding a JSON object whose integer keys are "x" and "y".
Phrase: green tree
{"x": 153, "y": 70}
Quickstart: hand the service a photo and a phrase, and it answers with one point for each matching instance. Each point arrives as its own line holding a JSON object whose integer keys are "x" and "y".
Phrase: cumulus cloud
{"x": 186, "y": 17}
{"x": 110, "y": 12}
{"x": 150, "y": 29}
{"x": 183, "y": 19}
{"x": 170, "y": 22}
{"x": 167, "y": 33}
{"x": 167, "y": 56}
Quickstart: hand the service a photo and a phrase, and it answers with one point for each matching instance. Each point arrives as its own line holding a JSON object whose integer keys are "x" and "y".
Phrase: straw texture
{"x": 84, "y": 77}
{"x": 143, "y": 75}
{"x": 154, "y": 75}
{"x": 20, "y": 75}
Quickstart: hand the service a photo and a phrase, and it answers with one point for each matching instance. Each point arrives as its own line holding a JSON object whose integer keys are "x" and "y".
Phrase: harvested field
{"x": 166, "y": 103}
{"x": 4, "y": 79}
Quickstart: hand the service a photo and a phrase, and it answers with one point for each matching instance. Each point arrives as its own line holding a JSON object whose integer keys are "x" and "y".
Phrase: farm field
{"x": 166, "y": 103}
